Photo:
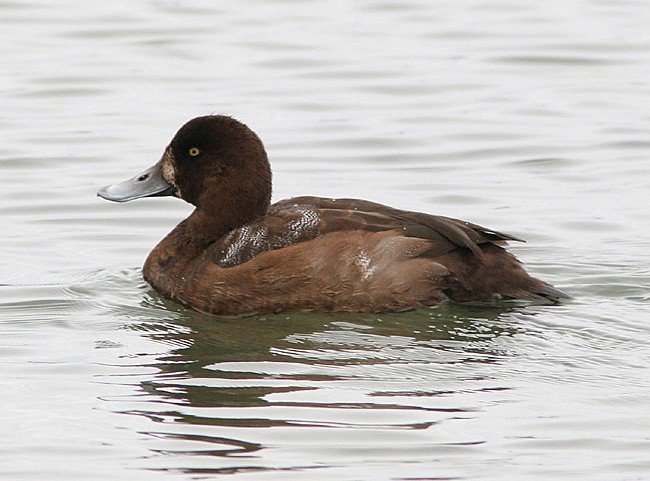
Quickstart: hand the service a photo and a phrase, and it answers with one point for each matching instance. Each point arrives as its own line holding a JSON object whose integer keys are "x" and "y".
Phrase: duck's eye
{"x": 194, "y": 152}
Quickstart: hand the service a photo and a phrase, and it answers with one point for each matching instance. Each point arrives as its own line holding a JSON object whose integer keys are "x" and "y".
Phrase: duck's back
{"x": 310, "y": 253}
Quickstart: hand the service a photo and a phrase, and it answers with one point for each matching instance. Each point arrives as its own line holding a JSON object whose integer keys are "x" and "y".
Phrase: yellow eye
{"x": 194, "y": 152}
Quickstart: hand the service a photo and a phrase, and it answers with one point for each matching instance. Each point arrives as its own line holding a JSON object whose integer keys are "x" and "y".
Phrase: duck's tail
{"x": 496, "y": 275}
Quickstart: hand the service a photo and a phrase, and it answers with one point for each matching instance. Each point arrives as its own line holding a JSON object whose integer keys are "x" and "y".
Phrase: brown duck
{"x": 237, "y": 254}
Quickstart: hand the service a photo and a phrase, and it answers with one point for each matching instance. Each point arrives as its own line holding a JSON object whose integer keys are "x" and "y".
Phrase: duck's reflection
{"x": 302, "y": 374}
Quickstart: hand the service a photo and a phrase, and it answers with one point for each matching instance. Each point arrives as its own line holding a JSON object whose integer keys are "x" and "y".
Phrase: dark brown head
{"x": 215, "y": 163}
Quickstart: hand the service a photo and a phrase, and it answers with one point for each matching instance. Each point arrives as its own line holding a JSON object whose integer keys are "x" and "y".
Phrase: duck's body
{"x": 236, "y": 255}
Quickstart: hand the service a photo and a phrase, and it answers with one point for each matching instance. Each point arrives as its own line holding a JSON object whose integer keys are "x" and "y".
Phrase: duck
{"x": 237, "y": 254}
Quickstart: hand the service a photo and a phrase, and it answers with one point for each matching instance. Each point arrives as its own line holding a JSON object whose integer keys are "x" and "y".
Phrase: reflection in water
{"x": 305, "y": 376}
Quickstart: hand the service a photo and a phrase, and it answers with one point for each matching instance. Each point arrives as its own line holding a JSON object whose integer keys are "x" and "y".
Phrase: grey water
{"x": 531, "y": 118}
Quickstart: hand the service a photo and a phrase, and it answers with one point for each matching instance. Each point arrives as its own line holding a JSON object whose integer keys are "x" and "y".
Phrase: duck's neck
{"x": 170, "y": 260}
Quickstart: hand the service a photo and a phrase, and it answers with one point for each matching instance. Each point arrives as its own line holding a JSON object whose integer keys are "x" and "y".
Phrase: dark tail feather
{"x": 551, "y": 293}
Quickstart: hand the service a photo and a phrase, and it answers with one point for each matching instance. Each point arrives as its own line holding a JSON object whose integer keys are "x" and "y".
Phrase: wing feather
{"x": 304, "y": 218}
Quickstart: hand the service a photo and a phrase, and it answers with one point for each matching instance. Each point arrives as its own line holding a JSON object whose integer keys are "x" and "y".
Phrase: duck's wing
{"x": 340, "y": 214}
{"x": 304, "y": 218}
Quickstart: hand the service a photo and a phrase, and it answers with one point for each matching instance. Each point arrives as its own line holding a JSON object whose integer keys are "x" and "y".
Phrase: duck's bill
{"x": 149, "y": 183}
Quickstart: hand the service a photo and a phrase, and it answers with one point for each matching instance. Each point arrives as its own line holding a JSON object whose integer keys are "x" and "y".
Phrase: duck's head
{"x": 213, "y": 162}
